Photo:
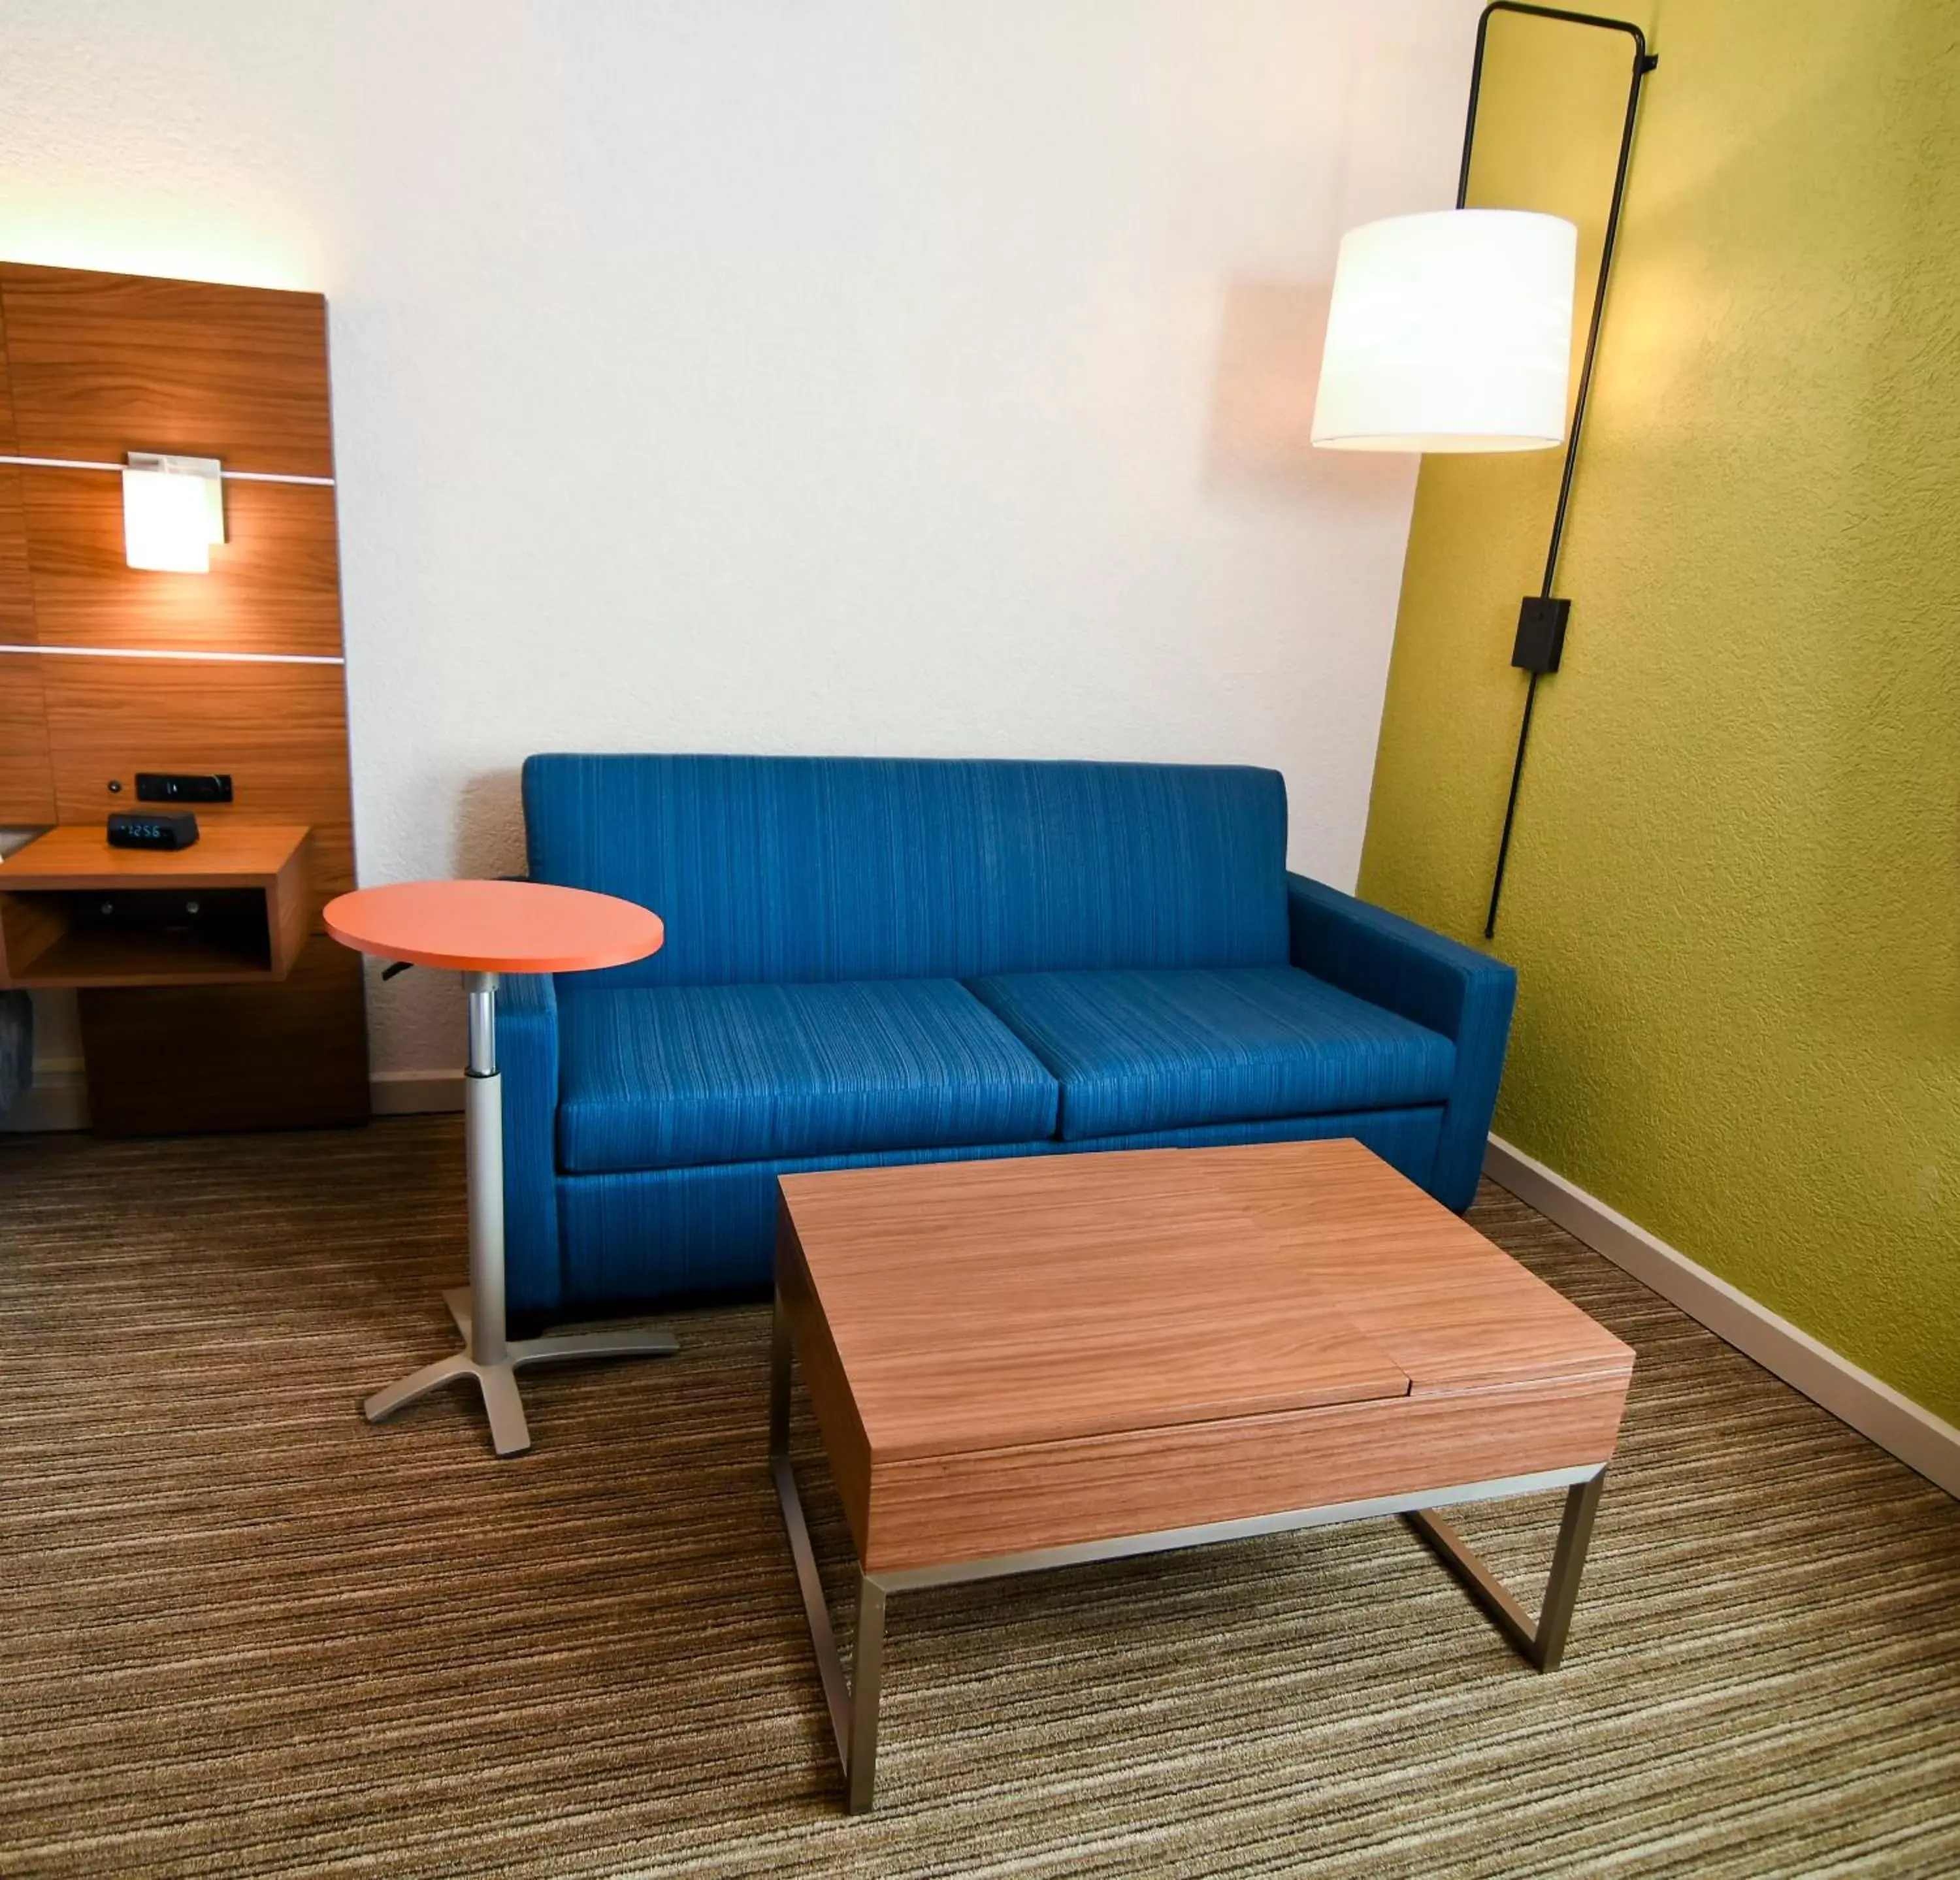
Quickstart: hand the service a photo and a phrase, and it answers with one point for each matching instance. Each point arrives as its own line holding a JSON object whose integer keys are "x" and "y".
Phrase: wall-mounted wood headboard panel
{"x": 101, "y": 364}
{"x": 143, "y": 671}
{"x": 274, "y": 588}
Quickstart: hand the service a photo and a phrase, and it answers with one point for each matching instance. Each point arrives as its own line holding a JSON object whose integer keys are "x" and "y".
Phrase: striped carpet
{"x": 244, "y": 1634}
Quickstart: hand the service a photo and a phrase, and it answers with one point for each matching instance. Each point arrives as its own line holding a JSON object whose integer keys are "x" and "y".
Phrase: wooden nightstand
{"x": 207, "y": 999}
{"x": 231, "y": 909}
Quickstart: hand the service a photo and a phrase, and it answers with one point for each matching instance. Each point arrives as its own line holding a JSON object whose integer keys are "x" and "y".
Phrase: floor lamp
{"x": 1452, "y": 331}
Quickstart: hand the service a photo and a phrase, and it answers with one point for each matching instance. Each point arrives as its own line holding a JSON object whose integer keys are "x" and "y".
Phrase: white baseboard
{"x": 1914, "y": 1435}
{"x": 414, "y": 1092}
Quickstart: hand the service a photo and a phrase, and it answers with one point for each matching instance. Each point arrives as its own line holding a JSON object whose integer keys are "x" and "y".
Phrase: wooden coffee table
{"x": 1036, "y": 1362}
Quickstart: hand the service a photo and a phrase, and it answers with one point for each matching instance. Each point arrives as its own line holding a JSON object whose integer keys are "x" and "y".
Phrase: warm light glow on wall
{"x": 1450, "y": 331}
{"x": 173, "y": 513}
{"x": 50, "y": 219}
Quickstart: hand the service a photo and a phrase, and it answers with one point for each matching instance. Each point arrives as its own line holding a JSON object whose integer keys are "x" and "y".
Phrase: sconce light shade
{"x": 1450, "y": 331}
{"x": 173, "y": 512}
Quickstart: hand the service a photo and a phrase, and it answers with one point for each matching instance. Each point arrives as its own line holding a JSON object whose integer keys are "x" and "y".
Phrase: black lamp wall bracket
{"x": 1541, "y": 620}
{"x": 1541, "y": 634}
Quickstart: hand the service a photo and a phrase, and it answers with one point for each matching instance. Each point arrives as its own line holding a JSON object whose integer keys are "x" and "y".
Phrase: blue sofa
{"x": 875, "y": 960}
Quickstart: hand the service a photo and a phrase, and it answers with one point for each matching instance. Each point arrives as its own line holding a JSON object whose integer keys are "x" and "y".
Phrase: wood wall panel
{"x": 280, "y": 731}
{"x": 9, "y": 439}
{"x": 27, "y": 777}
{"x": 26, "y": 781}
{"x": 287, "y": 1054}
{"x": 17, "y": 585}
{"x": 274, "y": 586}
{"x": 93, "y": 367}
{"x": 102, "y": 365}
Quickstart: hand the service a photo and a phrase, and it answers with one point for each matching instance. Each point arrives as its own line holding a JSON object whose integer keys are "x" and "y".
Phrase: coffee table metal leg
{"x": 867, "y": 1666}
{"x": 779, "y": 1381}
{"x": 852, "y": 1707}
{"x": 1541, "y": 1641}
{"x": 488, "y": 1357}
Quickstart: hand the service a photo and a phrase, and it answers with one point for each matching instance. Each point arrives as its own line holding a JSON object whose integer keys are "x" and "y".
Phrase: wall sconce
{"x": 1452, "y": 331}
{"x": 173, "y": 512}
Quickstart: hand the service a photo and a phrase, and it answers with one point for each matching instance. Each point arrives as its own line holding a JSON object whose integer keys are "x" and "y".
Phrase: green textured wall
{"x": 1734, "y": 897}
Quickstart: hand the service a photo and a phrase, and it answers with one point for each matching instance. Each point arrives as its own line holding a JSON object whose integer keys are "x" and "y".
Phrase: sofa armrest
{"x": 528, "y": 1058}
{"x": 1427, "y": 979}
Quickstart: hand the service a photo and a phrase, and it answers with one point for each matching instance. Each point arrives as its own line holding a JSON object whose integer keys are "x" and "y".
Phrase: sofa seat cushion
{"x": 1165, "y": 1049}
{"x": 672, "y": 1077}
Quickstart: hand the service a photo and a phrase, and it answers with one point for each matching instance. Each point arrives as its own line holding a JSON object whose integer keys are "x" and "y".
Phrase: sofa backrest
{"x": 806, "y": 868}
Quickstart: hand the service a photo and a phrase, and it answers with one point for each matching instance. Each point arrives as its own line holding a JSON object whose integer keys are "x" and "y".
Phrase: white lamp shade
{"x": 173, "y": 512}
{"x": 1450, "y": 331}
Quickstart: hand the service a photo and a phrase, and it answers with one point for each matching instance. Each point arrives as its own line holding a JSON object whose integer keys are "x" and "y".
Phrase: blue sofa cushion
{"x": 672, "y": 1077}
{"x": 772, "y": 869}
{"x": 639, "y": 1234}
{"x": 1143, "y": 1051}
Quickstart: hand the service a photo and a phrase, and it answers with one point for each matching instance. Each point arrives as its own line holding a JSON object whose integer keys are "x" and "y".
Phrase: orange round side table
{"x": 483, "y": 929}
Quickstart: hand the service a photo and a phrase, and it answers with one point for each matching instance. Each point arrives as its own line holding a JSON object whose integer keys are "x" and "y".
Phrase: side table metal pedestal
{"x": 488, "y": 1356}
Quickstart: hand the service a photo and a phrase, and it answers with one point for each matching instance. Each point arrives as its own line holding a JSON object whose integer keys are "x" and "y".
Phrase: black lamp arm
{"x": 1541, "y": 635}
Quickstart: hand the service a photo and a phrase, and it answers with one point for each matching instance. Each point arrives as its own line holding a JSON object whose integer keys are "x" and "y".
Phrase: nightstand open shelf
{"x": 231, "y": 909}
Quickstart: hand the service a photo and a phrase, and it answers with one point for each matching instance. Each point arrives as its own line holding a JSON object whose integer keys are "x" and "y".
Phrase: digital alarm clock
{"x": 166, "y": 829}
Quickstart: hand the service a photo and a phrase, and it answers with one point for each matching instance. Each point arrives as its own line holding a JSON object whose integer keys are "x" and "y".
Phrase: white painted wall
{"x": 888, "y": 376}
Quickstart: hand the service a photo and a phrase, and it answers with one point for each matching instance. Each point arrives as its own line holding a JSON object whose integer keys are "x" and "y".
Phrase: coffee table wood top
{"x": 978, "y": 1305}
{"x": 1029, "y": 1353}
